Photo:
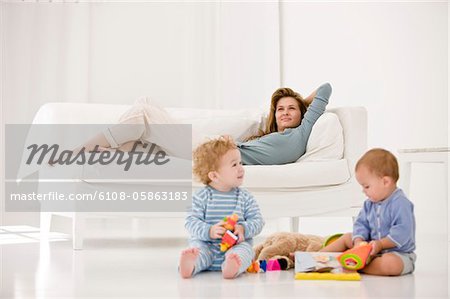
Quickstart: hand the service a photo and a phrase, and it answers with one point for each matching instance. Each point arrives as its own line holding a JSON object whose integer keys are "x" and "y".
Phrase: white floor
{"x": 130, "y": 266}
{"x": 138, "y": 258}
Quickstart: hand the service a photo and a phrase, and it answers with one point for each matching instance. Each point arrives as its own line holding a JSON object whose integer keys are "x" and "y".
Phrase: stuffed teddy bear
{"x": 280, "y": 245}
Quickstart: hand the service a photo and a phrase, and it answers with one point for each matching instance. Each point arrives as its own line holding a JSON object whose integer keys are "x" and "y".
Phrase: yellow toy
{"x": 327, "y": 276}
{"x": 230, "y": 222}
{"x": 331, "y": 239}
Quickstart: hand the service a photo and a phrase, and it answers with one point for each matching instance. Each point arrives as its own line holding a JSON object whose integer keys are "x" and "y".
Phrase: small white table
{"x": 422, "y": 155}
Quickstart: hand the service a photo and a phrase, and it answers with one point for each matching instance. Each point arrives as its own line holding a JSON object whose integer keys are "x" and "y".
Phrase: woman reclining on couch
{"x": 283, "y": 141}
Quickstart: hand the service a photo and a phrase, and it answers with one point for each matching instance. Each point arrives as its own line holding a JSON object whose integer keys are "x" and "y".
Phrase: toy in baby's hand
{"x": 230, "y": 221}
{"x": 357, "y": 257}
{"x": 229, "y": 239}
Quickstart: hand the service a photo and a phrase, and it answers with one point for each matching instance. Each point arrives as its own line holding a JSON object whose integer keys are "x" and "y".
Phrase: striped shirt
{"x": 210, "y": 206}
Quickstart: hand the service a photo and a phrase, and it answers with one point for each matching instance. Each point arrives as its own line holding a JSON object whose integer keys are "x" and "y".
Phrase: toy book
{"x": 321, "y": 266}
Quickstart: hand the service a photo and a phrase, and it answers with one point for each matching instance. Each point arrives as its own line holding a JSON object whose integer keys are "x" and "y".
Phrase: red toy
{"x": 229, "y": 239}
{"x": 357, "y": 257}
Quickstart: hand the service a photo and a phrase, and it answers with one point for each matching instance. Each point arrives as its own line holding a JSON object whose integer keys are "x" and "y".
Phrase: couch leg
{"x": 294, "y": 224}
{"x": 45, "y": 224}
{"x": 77, "y": 231}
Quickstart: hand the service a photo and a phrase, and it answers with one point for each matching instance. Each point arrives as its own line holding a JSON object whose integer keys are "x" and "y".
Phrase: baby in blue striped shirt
{"x": 217, "y": 163}
{"x": 386, "y": 219}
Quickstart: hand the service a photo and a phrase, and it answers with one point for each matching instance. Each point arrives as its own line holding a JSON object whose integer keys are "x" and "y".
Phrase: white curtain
{"x": 45, "y": 56}
{"x": 202, "y": 54}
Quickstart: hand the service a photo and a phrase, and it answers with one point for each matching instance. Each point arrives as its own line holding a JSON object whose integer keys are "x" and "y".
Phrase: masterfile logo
{"x": 49, "y": 169}
{"x": 53, "y": 155}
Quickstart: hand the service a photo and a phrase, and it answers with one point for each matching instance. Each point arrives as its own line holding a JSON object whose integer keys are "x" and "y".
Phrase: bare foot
{"x": 187, "y": 262}
{"x": 231, "y": 266}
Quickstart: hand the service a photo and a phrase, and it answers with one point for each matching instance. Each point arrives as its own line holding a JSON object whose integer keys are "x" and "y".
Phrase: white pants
{"x": 138, "y": 124}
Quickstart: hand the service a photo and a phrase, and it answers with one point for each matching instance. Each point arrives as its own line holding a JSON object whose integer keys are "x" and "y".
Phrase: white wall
{"x": 206, "y": 54}
{"x": 389, "y": 57}
{"x": 186, "y": 54}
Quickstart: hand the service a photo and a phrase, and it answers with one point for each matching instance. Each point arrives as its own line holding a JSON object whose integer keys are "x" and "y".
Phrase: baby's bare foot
{"x": 231, "y": 266}
{"x": 187, "y": 262}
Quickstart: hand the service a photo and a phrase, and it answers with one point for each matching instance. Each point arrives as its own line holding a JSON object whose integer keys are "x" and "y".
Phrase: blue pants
{"x": 211, "y": 258}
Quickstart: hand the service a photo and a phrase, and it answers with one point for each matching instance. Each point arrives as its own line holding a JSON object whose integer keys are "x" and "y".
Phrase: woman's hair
{"x": 206, "y": 156}
{"x": 271, "y": 123}
{"x": 380, "y": 162}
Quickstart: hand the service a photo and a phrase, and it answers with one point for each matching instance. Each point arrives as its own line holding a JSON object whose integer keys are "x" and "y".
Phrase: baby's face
{"x": 231, "y": 172}
{"x": 376, "y": 188}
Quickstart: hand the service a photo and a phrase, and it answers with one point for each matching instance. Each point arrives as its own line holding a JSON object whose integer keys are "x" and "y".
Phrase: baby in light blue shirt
{"x": 386, "y": 219}
{"x": 217, "y": 163}
{"x": 392, "y": 218}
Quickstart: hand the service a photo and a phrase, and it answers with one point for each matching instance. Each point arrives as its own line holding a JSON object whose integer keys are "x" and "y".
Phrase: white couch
{"x": 320, "y": 184}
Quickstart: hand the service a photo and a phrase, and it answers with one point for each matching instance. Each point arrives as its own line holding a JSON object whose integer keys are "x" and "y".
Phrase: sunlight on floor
{"x": 21, "y": 234}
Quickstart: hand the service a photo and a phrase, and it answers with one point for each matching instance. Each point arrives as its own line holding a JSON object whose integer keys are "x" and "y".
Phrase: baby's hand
{"x": 239, "y": 231}
{"x": 217, "y": 230}
{"x": 376, "y": 247}
{"x": 358, "y": 242}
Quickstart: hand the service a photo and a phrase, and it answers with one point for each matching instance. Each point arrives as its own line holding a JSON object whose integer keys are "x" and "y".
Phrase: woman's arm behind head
{"x": 308, "y": 100}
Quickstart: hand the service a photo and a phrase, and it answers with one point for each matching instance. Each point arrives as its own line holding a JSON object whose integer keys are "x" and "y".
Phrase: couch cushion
{"x": 238, "y": 128}
{"x": 212, "y": 123}
{"x": 326, "y": 141}
{"x": 297, "y": 175}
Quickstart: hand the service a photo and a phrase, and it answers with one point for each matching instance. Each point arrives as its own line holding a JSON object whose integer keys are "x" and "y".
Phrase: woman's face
{"x": 287, "y": 113}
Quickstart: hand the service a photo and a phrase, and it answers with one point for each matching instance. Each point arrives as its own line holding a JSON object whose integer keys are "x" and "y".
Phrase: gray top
{"x": 289, "y": 145}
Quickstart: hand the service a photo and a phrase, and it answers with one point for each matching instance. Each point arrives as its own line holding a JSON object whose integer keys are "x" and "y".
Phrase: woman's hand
{"x": 308, "y": 100}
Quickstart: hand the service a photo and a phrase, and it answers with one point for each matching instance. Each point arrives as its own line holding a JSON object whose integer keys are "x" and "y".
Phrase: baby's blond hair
{"x": 207, "y": 156}
{"x": 380, "y": 162}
